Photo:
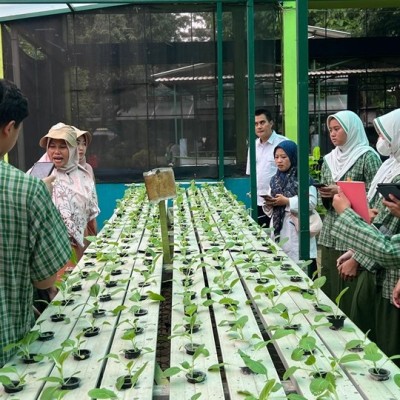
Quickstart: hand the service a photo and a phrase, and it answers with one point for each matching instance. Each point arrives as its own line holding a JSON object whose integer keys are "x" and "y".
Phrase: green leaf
{"x": 8, "y": 370}
{"x": 324, "y": 308}
{"x": 52, "y": 379}
{"x": 215, "y": 367}
{"x": 5, "y": 380}
{"x": 310, "y": 360}
{"x": 255, "y": 366}
{"x": 102, "y": 394}
{"x": 295, "y": 396}
{"x": 297, "y": 354}
{"x": 280, "y": 333}
{"x": 318, "y": 386}
{"x": 94, "y": 290}
{"x": 396, "y": 379}
{"x": 307, "y": 343}
{"x": 340, "y": 295}
{"x": 195, "y": 396}
{"x": 155, "y": 296}
{"x": 185, "y": 365}
{"x": 289, "y": 372}
{"x": 269, "y": 388}
{"x": 52, "y": 392}
{"x": 353, "y": 343}
{"x": 349, "y": 358}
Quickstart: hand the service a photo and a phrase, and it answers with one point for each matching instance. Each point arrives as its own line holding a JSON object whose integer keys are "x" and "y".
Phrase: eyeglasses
{"x": 261, "y": 123}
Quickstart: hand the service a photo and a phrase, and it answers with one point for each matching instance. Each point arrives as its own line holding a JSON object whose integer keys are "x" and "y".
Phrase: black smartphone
{"x": 266, "y": 197}
{"x": 389, "y": 188}
{"x": 42, "y": 169}
{"x": 319, "y": 185}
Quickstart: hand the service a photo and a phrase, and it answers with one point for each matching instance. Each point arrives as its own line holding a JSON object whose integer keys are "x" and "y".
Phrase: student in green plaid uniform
{"x": 351, "y": 159}
{"x": 33, "y": 240}
{"x": 380, "y": 273}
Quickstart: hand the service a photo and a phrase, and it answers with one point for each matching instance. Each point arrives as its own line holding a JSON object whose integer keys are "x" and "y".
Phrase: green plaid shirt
{"x": 373, "y": 245}
{"x": 389, "y": 225}
{"x": 34, "y": 244}
{"x": 364, "y": 169}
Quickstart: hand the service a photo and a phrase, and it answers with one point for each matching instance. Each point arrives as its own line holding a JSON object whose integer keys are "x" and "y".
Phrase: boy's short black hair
{"x": 264, "y": 111}
{"x": 13, "y": 104}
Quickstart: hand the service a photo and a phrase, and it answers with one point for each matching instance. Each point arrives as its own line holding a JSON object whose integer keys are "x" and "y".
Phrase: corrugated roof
{"x": 336, "y": 73}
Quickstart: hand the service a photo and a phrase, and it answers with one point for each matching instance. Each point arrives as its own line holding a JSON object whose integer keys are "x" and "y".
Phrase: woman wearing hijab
{"x": 351, "y": 159}
{"x": 283, "y": 200}
{"x": 73, "y": 188}
{"x": 83, "y": 139}
{"x": 380, "y": 316}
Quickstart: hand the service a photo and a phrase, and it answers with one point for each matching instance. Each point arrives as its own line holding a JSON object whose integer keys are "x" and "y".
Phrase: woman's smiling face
{"x": 58, "y": 152}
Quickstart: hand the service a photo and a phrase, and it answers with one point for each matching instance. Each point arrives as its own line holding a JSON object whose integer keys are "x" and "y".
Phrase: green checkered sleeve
{"x": 364, "y": 238}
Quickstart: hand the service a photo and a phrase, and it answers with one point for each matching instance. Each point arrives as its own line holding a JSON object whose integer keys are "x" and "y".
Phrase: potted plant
{"x": 59, "y": 356}
{"x": 134, "y": 325}
{"x": 236, "y": 327}
{"x": 222, "y": 281}
{"x": 92, "y": 329}
{"x": 289, "y": 317}
{"x": 16, "y": 382}
{"x": 192, "y": 375}
{"x": 78, "y": 352}
{"x": 65, "y": 291}
{"x": 59, "y": 315}
{"x": 373, "y": 355}
{"x": 134, "y": 351}
{"x": 335, "y": 319}
{"x": 44, "y": 336}
{"x": 313, "y": 292}
{"x": 23, "y": 348}
{"x": 131, "y": 376}
{"x": 191, "y": 326}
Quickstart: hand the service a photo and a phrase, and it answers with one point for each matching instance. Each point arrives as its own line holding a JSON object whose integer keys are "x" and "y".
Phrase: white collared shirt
{"x": 265, "y": 163}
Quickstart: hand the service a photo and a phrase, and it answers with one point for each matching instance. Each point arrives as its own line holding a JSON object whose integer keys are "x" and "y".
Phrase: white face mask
{"x": 383, "y": 147}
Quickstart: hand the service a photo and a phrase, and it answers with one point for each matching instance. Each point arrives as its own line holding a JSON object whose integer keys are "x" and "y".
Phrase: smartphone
{"x": 42, "y": 169}
{"x": 319, "y": 185}
{"x": 389, "y": 188}
{"x": 266, "y": 197}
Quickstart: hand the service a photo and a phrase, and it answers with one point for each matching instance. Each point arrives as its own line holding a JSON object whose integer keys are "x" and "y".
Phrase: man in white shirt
{"x": 265, "y": 163}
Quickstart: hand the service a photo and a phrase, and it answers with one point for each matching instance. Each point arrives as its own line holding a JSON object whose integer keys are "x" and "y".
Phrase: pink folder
{"x": 356, "y": 193}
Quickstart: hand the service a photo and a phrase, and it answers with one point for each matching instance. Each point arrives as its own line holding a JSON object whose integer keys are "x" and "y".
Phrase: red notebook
{"x": 356, "y": 193}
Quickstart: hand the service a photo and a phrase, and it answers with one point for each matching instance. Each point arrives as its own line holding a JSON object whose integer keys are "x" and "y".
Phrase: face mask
{"x": 383, "y": 147}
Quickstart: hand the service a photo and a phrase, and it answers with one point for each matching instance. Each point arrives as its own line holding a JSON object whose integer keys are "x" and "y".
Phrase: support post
{"x": 164, "y": 233}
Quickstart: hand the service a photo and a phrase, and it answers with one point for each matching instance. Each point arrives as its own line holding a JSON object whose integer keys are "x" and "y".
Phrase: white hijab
{"x": 342, "y": 158}
{"x": 388, "y": 126}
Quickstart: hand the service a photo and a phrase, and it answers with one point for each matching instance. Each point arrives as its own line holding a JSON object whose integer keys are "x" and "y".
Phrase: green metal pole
{"x": 303, "y": 135}
{"x": 220, "y": 71}
{"x": 250, "y": 106}
{"x": 290, "y": 69}
{"x": 164, "y": 232}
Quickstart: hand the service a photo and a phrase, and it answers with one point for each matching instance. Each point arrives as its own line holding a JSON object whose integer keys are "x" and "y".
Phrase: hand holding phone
{"x": 319, "y": 185}
{"x": 42, "y": 169}
{"x": 266, "y": 197}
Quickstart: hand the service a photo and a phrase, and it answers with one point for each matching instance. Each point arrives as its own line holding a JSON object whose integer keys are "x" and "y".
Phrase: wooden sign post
{"x": 160, "y": 186}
